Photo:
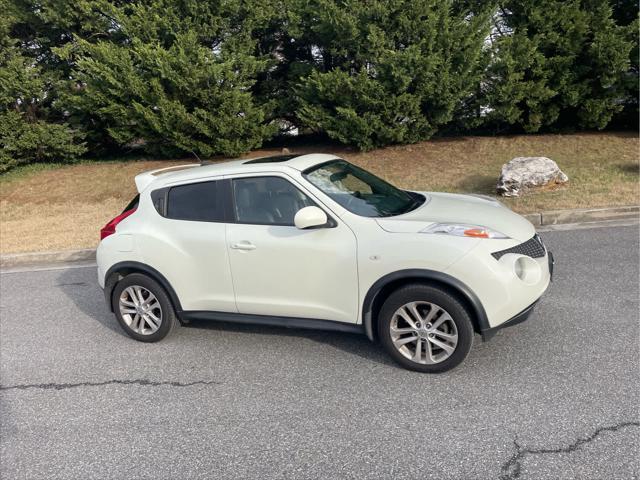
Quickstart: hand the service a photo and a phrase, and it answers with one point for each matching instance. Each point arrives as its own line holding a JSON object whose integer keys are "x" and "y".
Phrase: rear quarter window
{"x": 198, "y": 202}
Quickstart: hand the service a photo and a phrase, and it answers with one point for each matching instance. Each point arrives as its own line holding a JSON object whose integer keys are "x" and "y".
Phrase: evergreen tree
{"x": 625, "y": 13}
{"x": 29, "y": 131}
{"x": 556, "y": 64}
{"x": 385, "y": 71}
{"x": 173, "y": 76}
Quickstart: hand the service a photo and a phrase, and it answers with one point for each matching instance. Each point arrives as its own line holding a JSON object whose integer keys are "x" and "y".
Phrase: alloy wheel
{"x": 140, "y": 310}
{"x": 423, "y": 332}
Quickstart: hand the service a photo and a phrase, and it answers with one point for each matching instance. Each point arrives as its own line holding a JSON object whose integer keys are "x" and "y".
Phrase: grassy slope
{"x": 62, "y": 207}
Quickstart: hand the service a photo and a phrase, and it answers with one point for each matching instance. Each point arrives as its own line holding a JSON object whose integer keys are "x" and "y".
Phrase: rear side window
{"x": 132, "y": 204}
{"x": 196, "y": 201}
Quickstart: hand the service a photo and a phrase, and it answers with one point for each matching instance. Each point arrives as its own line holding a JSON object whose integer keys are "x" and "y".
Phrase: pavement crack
{"x": 512, "y": 468}
{"x": 141, "y": 382}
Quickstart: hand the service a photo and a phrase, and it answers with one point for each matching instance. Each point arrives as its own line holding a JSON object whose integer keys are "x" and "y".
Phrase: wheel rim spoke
{"x": 400, "y": 331}
{"x": 447, "y": 336}
{"x": 149, "y": 321}
{"x": 429, "y": 354}
{"x": 153, "y": 306}
{"x": 402, "y": 312}
{"x": 402, "y": 341}
{"x": 132, "y": 296}
{"x": 446, "y": 347}
{"x": 135, "y": 323}
{"x": 432, "y": 313}
{"x": 445, "y": 316}
{"x": 413, "y": 309}
{"x": 417, "y": 355}
{"x": 138, "y": 292}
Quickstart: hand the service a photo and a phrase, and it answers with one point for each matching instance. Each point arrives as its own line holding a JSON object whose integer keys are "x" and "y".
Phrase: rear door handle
{"x": 243, "y": 246}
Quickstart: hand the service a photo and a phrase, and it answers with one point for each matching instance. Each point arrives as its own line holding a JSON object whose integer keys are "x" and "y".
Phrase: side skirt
{"x": 286, "y": 322}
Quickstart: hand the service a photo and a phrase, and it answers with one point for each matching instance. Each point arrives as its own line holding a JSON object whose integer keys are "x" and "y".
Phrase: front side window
{"x": 267, "y": 201}
{"x": 361, "y": 192}
{"x": 196, "y": 202}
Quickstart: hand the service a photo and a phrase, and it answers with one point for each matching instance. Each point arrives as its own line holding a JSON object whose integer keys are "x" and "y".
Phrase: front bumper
{"x": 524, "y": 315}
{"x": 519, "y": 318}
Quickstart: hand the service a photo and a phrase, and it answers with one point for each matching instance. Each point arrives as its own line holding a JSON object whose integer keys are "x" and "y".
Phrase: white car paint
{"x": 322, "y": 273}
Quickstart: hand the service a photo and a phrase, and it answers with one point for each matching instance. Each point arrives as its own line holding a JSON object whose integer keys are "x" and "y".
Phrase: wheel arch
{"x": 389, "y": 283}
{"x": 120, "y": 270}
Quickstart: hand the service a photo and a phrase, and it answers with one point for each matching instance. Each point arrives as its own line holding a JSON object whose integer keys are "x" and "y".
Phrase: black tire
{"x": 440, "y": 297}
{"x": 168, "y": 315}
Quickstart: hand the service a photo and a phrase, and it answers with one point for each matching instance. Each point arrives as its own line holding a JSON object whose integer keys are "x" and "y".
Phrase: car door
{"x": 187, "y": 244}
{"x": 280, "y": 270}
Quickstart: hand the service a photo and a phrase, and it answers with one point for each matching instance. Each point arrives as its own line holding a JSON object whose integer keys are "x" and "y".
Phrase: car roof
{"x": 180, "y": 173}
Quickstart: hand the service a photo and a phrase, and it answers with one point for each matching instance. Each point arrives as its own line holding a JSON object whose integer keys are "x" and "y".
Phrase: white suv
{"x": 312, "y": 241}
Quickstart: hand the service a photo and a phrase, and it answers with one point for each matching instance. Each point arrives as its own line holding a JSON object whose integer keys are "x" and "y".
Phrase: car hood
{"x": 464, "y": 209}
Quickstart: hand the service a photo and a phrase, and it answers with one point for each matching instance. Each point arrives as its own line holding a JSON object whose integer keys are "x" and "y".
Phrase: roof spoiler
{"x": 143, "y": 180}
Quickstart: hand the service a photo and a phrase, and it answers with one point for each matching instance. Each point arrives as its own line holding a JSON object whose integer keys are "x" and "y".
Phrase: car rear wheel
{"x": 425, "y": 328}
{"x": 143, "y": 308}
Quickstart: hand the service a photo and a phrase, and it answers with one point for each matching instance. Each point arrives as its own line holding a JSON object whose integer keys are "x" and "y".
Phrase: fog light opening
{"x": 527, "y": 270}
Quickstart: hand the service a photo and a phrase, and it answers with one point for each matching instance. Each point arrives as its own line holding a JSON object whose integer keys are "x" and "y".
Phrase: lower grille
{"x": 533, "y": 248}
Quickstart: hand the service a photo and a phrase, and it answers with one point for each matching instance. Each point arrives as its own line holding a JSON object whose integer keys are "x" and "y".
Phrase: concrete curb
{"x": 542, "y": 219}
{"x": 554, "y": 217}
{"x": 13, "y": 260}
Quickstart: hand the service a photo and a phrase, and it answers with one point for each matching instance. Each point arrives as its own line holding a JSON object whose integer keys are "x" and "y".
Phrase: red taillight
{"x": 110, "y": 228}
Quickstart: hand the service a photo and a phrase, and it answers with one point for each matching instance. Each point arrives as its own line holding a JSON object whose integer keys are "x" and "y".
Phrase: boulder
{"x": 525, "y": 173}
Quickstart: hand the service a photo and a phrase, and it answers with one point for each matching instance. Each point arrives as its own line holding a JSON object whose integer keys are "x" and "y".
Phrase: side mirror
{"x": 309, "y": 217}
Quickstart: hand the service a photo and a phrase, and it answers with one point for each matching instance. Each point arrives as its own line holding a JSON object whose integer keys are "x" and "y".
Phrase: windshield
{"x": 361, "y": 192}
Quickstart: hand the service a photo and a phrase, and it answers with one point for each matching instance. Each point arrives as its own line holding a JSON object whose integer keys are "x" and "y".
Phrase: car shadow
{"x": 351, "y": 343}
{"x": 80, "y": 286}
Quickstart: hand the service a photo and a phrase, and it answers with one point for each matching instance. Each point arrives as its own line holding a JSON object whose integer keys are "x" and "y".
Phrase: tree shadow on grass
{"x": 484, "y": 184}
{"x": 629, "y": 167}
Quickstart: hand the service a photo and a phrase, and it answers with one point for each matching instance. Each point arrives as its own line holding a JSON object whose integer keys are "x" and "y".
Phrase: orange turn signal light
{"x": 476, "y": 232}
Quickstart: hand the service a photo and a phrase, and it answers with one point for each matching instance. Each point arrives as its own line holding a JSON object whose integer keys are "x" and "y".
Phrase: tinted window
{"x": 267, "y": 200}
{"x": 132, "y": 204}
{"x": 196, "y": 201}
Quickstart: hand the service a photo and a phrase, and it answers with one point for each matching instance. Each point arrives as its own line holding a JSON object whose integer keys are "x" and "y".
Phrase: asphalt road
{"x": 555, "y": 397}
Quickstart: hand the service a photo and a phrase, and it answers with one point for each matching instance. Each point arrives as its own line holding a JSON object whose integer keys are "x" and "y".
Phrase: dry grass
{"x": 45, "y": 208}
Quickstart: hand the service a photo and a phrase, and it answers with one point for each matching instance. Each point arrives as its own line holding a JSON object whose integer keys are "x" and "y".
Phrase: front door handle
{"x": 243, "y": 246}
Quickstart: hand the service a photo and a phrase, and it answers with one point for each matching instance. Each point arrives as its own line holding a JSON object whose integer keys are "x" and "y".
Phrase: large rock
{"x": 524, "y": 173}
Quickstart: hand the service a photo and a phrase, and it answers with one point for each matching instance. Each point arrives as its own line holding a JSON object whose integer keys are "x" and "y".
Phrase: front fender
{"x": 383, "y": 286}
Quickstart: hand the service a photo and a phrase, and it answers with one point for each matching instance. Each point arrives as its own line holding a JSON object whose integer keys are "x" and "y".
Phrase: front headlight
{"x": 461, "y": 230}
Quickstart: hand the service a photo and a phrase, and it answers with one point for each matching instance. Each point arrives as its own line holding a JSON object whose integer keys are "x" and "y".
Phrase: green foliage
{"x": 188, "y": 77}
{"x": 625, "y": 13}
{"x": 175, "y": 79}
{"x": 23, "y": 142}
{"x": 27, "y": 133}
{"x": 388, "y": 71}
{"x": 556, "y": 64}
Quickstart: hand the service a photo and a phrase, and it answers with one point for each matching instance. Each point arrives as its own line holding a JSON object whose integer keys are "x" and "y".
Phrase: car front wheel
{"x": 425, "y": 328}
